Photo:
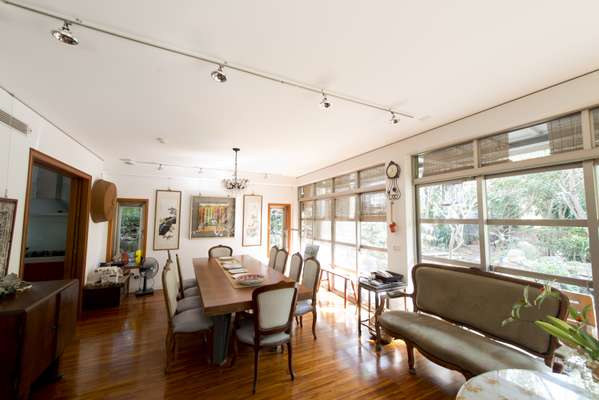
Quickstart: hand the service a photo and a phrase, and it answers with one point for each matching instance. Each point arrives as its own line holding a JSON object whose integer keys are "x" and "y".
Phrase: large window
{"x": 515, "y": 203}
{"x": 538, "y": 222}
{"x": 449, "y": 221}
{"x": 346, "y": 217}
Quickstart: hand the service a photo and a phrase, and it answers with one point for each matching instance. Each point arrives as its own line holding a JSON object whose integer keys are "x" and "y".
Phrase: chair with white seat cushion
{"x": 270, "y": 325}
{"x": 184, "y": 283}
{"x": 281, "y": 261}
{"x": 183, "y": 292}
{"x": 188, "y": 303}
{"x": 220, "y": 251}
{"x": 295, "y": 267}
{"x": 272, "y": 256}
{"x": 186, "y": 322}
{"x": 310, "y": 279}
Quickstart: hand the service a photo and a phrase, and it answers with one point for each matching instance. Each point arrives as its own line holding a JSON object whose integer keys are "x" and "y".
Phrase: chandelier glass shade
{"x": 235, "y": 184}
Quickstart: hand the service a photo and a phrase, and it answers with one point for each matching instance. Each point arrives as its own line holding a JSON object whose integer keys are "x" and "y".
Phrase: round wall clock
{"x": 393, "y": 170}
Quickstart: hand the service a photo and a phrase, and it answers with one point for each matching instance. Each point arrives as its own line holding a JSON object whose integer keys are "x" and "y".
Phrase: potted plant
{"x": 573, "y": 334}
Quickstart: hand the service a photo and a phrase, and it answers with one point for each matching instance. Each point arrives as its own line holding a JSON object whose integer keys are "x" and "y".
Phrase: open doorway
{"x": 55, "y": 225}
{"x": 279, "y": 226}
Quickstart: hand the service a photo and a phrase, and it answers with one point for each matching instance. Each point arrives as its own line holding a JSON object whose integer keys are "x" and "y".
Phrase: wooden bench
{"x": 339, "y": 274}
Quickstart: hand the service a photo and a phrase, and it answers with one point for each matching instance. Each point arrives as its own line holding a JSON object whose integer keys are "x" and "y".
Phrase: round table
{"x": 521, "y": 384}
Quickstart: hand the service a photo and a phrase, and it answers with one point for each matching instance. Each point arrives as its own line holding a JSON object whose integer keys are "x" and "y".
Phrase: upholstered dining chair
{"x": 184, "y": 283}
{"x": 188, "y": 298}
{"x": 191, "y": 290}
{"x": 272, "y": 256}
{"x": 311, "y": 279}
{"x": 281, "y": 261}
{"x": 188, "y": 322}
{"x": 295, "y": 266}
{"x": 220, "y": 251}
{"x": 270, "y": 325}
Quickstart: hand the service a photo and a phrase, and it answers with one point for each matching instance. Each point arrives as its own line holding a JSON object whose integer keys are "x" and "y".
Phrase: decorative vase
{"x": 583, "y": 371}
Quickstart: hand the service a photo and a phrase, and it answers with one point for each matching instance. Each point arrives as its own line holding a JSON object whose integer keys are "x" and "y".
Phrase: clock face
{"x": 392, "y": 170}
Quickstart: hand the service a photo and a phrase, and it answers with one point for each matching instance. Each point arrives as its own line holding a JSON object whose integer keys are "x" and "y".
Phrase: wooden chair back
{"x": 272, "y": 256}
{"x": 274, "y": 308}
{"x": 295, "y": 266}
{"x": 169, "y": 290}
{"x": 281, "y": 260}
{"x": 220, "y": 251}
{"x": 311, "y": 276}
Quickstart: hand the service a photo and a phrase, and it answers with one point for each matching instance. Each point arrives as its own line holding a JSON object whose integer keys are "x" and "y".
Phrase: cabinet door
{"x": 67, "y": 317}
{"x": 10, "y": 344}
{"x": 39, "y": 342}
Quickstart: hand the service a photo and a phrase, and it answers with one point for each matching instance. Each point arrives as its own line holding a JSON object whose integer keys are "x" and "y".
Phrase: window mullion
{"x": 593, "y": 221}
{"x": 483, "y": 233}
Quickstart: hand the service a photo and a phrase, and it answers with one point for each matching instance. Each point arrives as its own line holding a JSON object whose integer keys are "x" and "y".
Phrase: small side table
{"x": 521, "y": 384}
{"x": 340, "y": 274}
{"x": 365, "y": 284}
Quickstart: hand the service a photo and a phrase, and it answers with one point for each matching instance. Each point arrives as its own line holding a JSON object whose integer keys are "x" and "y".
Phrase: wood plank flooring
{"x": 119, "y": 354}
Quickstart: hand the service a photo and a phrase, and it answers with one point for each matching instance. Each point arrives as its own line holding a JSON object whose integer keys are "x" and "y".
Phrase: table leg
{"x": 220, "y": 346}
{"x": 328, "y": 281}
{"x": 359, "y": 305}
{"x": 345, "y": 293}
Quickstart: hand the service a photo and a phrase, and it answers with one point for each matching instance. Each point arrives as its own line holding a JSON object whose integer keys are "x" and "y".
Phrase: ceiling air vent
{"x": 14, "y": 122}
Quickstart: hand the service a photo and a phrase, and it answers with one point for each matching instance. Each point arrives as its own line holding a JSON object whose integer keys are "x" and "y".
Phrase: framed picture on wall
{"x": 252, "y": 220}
{"x": 211, "y": 217}
{"x": 8, "y": 209}
{"x": 167, "y": 220}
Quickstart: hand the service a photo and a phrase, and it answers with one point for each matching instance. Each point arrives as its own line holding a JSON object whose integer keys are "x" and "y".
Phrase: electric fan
{"x": 147, "y": 271}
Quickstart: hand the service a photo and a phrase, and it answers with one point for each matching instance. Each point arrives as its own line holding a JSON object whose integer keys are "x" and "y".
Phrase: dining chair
{"x": 185, "y": 283}
{"x": 281, "y": 261}
{"x": 191, "y": 290}
{"x": 188, "y": 298}
{"x": 270, "y": 325}
{"x": 220, "y": 251}
{"x": 188, "y": 322}
{"x": 295, "y": 266}
{"x": 311, "y": 279}
{"x": 272, "y": 256}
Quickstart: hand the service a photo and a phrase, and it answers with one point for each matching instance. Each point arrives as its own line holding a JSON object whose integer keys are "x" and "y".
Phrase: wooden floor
{"x": 119, "y": 354}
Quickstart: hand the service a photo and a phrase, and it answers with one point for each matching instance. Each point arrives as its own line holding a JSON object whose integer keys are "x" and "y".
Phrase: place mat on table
{"x": 230, "y": 277}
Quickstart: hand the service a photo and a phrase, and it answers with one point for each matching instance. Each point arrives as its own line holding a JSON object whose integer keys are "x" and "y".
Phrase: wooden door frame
{"x": 112, "y": 222}
{"x": 76, "y": 256}
{"x": 287, "y": 207}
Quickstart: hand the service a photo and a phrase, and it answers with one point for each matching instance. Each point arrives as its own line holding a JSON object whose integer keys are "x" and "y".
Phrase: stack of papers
{"x": 238, "y": 271}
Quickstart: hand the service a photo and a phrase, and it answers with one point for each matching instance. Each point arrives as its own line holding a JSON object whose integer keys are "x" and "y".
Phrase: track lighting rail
{"x": 218, "y": 63}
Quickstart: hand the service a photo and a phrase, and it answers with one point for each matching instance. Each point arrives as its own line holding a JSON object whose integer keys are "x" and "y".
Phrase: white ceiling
{"x": 438, "y": 60}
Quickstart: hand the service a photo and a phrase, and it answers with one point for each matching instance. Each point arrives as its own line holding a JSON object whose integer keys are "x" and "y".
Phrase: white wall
{"x": 570, "y": 96}
{"x": 142, "y": 184}
{"x": 14, "y": 161}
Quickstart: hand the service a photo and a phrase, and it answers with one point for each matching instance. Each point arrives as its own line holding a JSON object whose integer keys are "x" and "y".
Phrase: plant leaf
{"x": 558, "y": 333}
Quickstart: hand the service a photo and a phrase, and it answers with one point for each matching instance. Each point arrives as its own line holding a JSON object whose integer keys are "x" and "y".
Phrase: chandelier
{"x": 236, "y": 184}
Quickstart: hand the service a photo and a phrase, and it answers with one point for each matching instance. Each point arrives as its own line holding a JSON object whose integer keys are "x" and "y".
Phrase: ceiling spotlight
{"x": 325, "y": 103}
{"x": 65, "y": 35}
{"x": 128, "y": 161}
{"x": 160, "y": 167}
{"x": 161, "y": 140}
{"x": 394, "y": 118}
{"x": 219, "y": 75}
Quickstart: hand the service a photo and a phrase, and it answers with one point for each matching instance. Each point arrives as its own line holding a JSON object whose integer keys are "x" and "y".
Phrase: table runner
{"x": 232, "y": 280}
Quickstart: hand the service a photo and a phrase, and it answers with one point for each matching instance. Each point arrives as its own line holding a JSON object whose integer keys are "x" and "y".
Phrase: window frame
{"x": 112, "y": 225}
{"x": 334, "y": 196}
{"x": 587, "y": 158}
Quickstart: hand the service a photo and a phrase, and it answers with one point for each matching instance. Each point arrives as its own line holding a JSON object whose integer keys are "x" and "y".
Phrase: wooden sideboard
{"x": 35, "y": 327}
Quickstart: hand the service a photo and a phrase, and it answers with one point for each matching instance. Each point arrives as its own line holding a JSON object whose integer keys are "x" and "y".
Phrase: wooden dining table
{"x": 221, "y": 299}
